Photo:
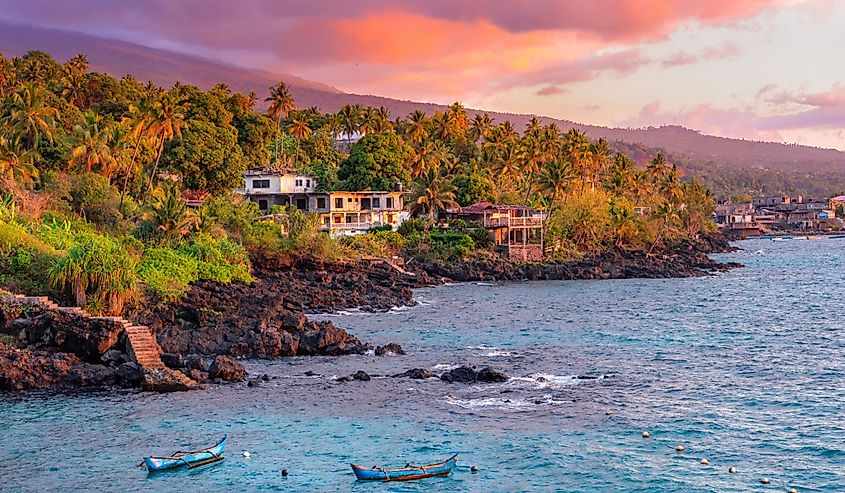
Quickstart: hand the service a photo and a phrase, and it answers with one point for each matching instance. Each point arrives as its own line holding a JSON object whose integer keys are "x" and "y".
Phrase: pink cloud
{"x": 551, "y": 91}
{"x": 727, "y": 50}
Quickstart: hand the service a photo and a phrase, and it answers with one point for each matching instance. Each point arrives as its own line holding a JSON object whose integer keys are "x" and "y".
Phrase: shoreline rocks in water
{"x": 684, "y": 259}
{"x": 466, "y": 374}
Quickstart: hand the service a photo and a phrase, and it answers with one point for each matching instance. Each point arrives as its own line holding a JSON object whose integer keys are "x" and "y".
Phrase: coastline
{"x": 204, "y": 334}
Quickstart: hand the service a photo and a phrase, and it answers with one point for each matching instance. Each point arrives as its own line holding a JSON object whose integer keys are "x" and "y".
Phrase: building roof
{"x": 838, "y": 198}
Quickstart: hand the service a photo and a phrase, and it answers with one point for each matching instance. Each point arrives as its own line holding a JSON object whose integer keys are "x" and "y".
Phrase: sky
{"x": 752, "y": 69}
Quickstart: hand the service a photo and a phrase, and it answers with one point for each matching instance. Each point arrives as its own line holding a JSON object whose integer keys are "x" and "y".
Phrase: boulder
{"x": 489, "y": 375}
{"x": 253, "y": 382}
{"x": 130, "y": 374}
{"x": 197, "y": 375}
{"x": 173, "y": 360}
{"x": 415, "y": 373}
{"x": 90, "y": 375}
{"x": 360, "y": 375}
{"x": 167, "y": 380}
{"x": 113, "y": 357}
{"x": 391, "y": 349}
{"x": 462, "y": 374}
{"x": 227, "y": 369}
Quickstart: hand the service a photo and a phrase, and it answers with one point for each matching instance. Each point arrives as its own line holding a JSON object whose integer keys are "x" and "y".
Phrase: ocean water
{"x": 745, "y": 369}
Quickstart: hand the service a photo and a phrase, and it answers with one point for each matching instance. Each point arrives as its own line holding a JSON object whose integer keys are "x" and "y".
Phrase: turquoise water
{"x": 745, "y": 369}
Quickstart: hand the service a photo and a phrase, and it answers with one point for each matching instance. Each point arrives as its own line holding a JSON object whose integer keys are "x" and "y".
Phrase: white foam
{"x": 444, "y": 367}
{"x": 502, "y": 402}
{"x": 548, "y": 380}
{"x": 498, "y": 353}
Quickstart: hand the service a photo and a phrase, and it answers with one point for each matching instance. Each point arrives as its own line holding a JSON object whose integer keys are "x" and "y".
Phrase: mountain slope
{"x": 119, "y": 58}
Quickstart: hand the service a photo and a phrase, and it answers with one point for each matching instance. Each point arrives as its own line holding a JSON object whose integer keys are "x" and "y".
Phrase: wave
{"x": 548, "y": 380}
{"x": 519, "y": 404}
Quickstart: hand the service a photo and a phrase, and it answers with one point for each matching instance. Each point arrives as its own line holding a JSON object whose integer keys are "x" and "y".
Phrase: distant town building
{"x": 516, "y": 229}
{"x": 341, "y": 212}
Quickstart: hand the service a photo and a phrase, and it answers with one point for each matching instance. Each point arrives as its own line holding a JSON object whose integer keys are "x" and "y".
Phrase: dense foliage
{"x": 96, "y": 173}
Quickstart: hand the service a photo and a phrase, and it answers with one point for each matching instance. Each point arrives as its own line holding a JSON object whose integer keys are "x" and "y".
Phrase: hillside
{"x": 696, "y": 152}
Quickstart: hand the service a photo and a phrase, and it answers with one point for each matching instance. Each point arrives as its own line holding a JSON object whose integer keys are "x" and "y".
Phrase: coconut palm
{"x": 17, "y": 164}
{"x": 479, "y": 127}
{"x": 433, "y": 193}
{"x": 8, "y": 74}
{"x": 349, "y": 117}
{"x": 31, "y": 115}
{"x": 73, "y": 78}
{"x": 555, "y": 179}
{"x": 168, "y": 212}
{"x": 281, "y": 103}
{"x": 299, "y": 129}
{"x": 90, "y": 146}
{"x": 166, "y": 124}
{"x": 141, "y": 116}
{"x": 416, "y": 127}
{"x": 665, "y": 215}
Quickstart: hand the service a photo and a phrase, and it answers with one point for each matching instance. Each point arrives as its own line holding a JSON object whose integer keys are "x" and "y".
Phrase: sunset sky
{"x": 759, "y": 69}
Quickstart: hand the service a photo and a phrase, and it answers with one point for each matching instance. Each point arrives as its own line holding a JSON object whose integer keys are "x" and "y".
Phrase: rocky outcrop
{"x": 86, "y": 337}
{"x": 415, "y": 374}
{"x": 682, "y": 259}
{"x": 243, "y": 321}
{"x": 465, "y": 374}
{"x": 167, "y": 380}
{"x": 391, "y": 349}
{"x": 227, "y": 369}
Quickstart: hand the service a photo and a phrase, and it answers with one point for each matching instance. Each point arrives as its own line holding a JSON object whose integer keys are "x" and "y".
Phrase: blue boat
{"x": 190, "y": 459}
{"x": 406, "y": 473}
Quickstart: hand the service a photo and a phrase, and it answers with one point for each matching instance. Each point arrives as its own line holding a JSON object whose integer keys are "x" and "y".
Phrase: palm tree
{"x": 622, "y": 176}
{"x": 90, "y": 146}
{"x": 73, "y": 77}
{"x": 17, "y": 164}
{"x": 533, "y": 126}
{"x": 8, "y": 74}
{"x": 416, "y": 127}
{"x": 555, "y": 179}
{"x": 665, "y": 214}
{"x": 166, "y": 124}
{"x": 479, "y": 127}
{"x": 623, "y": 220}
{"x": 433, "y": 193}
{"x": 30, "y": 114}
{"x": 139, "y": 121}
{"x": 281, "y": 103}
{"x": 349, "y": 118}
{"x": 168, "y": 211}
{"x": 369, "y": 120}
{"x": 300, "y": 130}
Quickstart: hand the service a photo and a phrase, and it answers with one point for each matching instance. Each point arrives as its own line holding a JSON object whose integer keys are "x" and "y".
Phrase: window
{"x": 321, "y": 202}
{"x": 260, "y": 183}
{"x": 338, "y": 203}
{"x": 376, "y": 202}
{"x": 302, "y": 204}
{"x": 388, "y": 202}
{"x": 308, "y": 183}
{"x": 298, "y": 182}
{"x": 365, "y": 204}
{"x": 337, "y": 218}
{"x": 349, "y": 200}
{"x": 262, "y": 204}
{"x": 348, "y": 219}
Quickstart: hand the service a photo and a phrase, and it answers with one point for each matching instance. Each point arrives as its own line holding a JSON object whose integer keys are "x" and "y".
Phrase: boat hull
{"x": 405, "y": 473}
{"x": 155, "y": 464}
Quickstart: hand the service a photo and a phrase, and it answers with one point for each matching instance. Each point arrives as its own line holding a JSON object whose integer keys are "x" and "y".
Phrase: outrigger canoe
{"x": 406, "y": 473}
{"x": 190, "y": 459}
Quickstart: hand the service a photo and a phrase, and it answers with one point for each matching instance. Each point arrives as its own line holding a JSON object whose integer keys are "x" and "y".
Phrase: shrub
{"x": 379, "y": 243}
{"x": 97, "y": 266}
{"x": 167, "y": 273}
{"x": 451, "y": 244}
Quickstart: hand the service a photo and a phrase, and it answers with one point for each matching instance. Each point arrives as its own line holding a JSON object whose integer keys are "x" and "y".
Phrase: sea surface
{"x": 745, "y": 369}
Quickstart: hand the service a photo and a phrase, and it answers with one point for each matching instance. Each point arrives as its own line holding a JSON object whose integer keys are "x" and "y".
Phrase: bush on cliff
{"x": 379, "y": 243}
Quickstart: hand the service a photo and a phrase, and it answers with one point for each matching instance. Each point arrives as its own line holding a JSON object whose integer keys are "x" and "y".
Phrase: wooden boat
{"x": 406, "y": 473}
{"x": 190, "y": 459}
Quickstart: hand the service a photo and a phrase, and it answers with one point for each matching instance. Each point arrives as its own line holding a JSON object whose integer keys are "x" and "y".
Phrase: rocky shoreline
{"x": 208, "y": 330}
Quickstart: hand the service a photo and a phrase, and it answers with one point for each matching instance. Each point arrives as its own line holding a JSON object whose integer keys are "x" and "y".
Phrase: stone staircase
{"x": 141, "y": 344}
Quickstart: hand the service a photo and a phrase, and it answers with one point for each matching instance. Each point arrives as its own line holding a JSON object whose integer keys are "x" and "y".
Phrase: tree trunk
{"x": 129, "y": 172}
{"x": 155, "y": 166}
